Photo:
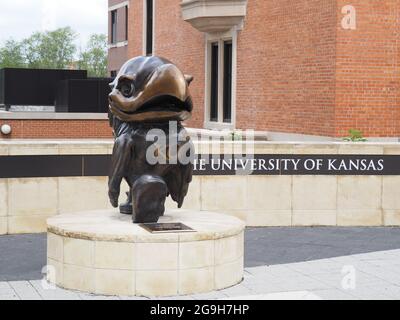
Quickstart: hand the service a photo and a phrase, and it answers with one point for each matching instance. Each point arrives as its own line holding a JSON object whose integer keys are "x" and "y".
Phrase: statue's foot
{"x": 149, "y": 194}
{"x": 114, "y": 197}
{"x": 126, "y": 209}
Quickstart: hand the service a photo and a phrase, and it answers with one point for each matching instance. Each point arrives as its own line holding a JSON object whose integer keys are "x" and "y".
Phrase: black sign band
{"x": 98, "y": 165}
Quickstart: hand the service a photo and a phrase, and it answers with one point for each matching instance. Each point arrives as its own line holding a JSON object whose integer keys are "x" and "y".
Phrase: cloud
{"x": 20, "y": 18}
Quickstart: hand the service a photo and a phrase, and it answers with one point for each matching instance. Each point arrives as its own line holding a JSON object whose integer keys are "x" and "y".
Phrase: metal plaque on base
{"x": 166, "y": 227}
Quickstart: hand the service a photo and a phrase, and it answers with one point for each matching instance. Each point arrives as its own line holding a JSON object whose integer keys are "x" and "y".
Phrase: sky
{"x": 20, "y": 18}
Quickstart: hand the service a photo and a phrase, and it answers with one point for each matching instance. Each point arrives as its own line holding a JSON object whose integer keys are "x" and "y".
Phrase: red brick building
{"x": 311, "y": 67}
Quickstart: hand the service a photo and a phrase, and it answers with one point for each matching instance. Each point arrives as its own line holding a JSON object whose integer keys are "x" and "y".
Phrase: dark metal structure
{"x": 150, "y": 93}
{"x": 67, "y": 90}
{"x": 33, "y": 87}
{"x": 83, "y": 95}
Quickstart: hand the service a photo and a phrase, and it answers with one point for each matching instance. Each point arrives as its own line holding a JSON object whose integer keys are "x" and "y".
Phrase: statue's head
{"x": 150, "y": 89}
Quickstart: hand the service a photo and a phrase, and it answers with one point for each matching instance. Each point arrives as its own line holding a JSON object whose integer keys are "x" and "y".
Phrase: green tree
{"x": 11, "y": 55}
{"x": 50, "y": 49}
{"x": 94, "y": 58}
{"x": 32, "y": 50}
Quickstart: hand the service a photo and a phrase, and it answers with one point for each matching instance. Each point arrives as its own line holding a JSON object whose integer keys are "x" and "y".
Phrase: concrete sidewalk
{"x": 281, "y": 263}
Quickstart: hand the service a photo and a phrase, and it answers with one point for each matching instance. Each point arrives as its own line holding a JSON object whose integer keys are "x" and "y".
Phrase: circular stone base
{"x": 103, "y": 252}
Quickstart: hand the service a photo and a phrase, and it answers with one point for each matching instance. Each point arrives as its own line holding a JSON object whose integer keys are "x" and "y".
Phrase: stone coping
{"x": 34, "y": 115}
{"x": 104, "y": 146}
{"x": 110, "y": 225}
{"x": 56, "y": 141}
{"x": 294, "y": 144}
{"x": 258, "y": 143}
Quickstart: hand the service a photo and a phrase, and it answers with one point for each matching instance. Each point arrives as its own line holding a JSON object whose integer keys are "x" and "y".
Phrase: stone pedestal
{"x": 102, "y": 252}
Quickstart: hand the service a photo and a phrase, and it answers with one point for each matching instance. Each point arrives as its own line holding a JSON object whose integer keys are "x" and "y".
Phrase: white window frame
{"x": 113, "y": 8}
{"x": 115, "y": 43}
{"x": 145, "y": 26}
{"x": 231, "y": 35}
{"x": 119, "y": 5}
{"x": 118, "y": 44}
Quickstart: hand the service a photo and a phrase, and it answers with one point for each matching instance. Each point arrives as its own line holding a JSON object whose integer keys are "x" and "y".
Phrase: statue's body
{"x": 149, "y": 93}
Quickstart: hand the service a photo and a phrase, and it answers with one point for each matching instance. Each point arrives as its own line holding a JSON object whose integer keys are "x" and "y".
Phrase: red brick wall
{"x": 367, "y": 69}
{"x": 286, "y": 62}
{"x": 117, "y": 58}
{"x": 135, "y": 29}
{"x": 179, "y": 42}
{"x": 298, "y": 70}
{"x": 117, "y": 55}
{"x": 58, "y": 129}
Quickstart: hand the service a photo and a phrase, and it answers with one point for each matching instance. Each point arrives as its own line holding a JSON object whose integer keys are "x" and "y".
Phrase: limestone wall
{"x": 260, "y": 200}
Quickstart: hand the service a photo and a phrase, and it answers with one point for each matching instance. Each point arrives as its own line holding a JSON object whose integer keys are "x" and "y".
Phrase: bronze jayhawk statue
{"x": 150, "y": 95}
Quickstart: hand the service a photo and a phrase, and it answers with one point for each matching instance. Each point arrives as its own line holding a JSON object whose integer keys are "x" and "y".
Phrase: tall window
{"x": 114, "y": 17}
{"x": 220, "y": 86}
{"x": 149, "y": 27}
{"x": 126, "y": 22}
{"x": 214, "y": 82}
{"x": 227, "y": 97}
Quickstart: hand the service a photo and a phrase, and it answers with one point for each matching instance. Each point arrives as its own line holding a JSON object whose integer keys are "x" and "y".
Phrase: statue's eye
{"x": 127, "y": 89}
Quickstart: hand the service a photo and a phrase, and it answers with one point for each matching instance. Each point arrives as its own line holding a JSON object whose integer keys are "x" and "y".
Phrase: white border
{"x": 4, "y": 116}
{"x": 119, "y": 5}
{"x": 118, "y": 44}
{"x": 220, "y": 37}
